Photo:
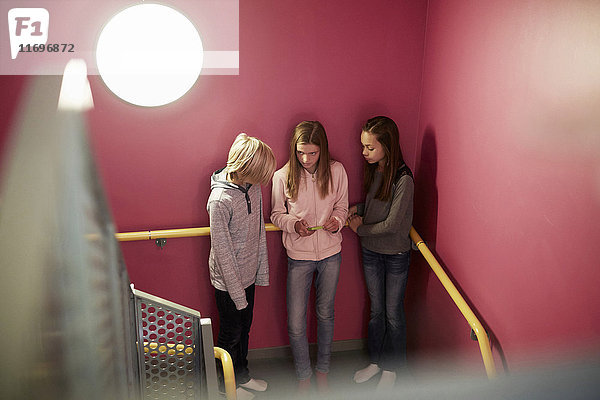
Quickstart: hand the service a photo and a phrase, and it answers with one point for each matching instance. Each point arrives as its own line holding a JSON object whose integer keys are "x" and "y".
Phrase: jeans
{"x": 385, "y": 276}
{"x": 300, "y": 276}
{"x": 234, "y": 327}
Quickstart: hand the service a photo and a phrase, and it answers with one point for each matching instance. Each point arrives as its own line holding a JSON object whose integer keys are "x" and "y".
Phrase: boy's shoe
{"x": 255, "y": 384}
{"x": 387, "y": 380}
{"x": 367, "y": 373}
{"x": 243, "y": 394}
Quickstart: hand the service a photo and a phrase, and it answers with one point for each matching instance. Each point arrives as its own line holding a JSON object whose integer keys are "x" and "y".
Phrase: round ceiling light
{"x": 149, "y": 55}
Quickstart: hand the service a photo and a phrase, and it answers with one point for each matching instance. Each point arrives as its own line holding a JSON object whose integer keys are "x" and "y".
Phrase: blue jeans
{"x": 300, "y": 276}
{"x": 385, "y": 276}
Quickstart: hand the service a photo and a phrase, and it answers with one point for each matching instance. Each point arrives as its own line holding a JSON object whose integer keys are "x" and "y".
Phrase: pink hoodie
{"x": 314, "y": 210}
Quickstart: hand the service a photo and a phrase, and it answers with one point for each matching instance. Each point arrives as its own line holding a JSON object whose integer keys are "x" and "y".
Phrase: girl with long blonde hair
{"x": 310, "y": 205}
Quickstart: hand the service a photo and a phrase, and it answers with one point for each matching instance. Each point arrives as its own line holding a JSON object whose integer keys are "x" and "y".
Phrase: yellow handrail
{"x": 172, "y": 233}
{"x": 484, "y": 343}
{"x": 228, "y": 375}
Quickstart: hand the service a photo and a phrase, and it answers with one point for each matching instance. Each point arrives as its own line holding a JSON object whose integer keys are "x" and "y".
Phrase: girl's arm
{"x": 356, "y": 209}
{"x": 279, "y": 213}
{"x": 222, "y": 245}
{"x": 340, "y": 205}
{"x": 262, "y": 276}
{"x": 401, "y": 204}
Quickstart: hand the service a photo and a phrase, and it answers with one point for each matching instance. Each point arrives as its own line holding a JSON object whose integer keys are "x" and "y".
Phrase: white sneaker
{"x": 243, "y": 394}
{"x": 255, "y": 384}
{"x": 387, "y": 380}
{"x": 367, "y": 373}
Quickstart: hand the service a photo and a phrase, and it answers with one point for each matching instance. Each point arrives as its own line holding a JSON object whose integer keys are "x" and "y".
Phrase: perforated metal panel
{"x": 169, "y": 348}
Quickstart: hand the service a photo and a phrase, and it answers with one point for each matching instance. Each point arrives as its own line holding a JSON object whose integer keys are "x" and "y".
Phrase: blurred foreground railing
{"x": 71, "y": 326}
{"x": 473, "y": 321}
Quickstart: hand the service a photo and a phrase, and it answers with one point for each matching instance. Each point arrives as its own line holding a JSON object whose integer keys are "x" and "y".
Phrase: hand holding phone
{"x": 301, "y": 227}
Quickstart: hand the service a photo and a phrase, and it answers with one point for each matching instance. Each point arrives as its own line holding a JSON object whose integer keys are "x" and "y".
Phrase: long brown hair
{"x": 309, "y": 132}
{"x": 384, "y": 129}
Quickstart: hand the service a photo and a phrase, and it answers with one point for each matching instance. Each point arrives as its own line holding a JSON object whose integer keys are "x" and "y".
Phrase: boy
{"x": 238, "y": 252}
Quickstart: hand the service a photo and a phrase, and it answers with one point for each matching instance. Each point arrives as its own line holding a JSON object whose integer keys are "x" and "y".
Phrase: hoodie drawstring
{"x": 248, "y": 202}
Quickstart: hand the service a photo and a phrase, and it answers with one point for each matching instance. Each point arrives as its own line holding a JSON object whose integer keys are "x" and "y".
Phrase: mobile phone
{"x": 314, "y": 228}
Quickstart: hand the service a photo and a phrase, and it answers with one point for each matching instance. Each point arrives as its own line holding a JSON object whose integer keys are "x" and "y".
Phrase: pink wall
{"x": 508, "y": 167}
{"x": 298, "y": 60}
{"x": 504, "y": 143}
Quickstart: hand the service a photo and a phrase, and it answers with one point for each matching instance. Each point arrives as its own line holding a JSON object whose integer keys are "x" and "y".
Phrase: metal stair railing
{"x": 484, "y": 345}
{"x": 175, "y": 351}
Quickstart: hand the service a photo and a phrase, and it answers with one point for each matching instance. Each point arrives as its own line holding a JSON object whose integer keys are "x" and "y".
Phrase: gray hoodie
{"x": 238, "y": 246}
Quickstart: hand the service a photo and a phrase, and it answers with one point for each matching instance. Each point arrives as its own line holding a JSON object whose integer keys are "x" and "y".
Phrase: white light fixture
{"x": 75, "y": 92}
{"x": 149, "y": 55}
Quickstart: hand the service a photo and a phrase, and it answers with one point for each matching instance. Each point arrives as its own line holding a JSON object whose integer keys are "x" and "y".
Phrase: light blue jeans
{"x": 300, "y": 276}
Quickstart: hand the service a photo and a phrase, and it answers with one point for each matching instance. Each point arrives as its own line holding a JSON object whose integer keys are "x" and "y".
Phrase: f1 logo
{"x": 27, "y": 26}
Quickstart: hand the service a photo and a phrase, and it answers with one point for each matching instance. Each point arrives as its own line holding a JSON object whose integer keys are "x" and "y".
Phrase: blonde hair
{"x": 250, "y": 159}
{"x": 309, "y": 132}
